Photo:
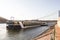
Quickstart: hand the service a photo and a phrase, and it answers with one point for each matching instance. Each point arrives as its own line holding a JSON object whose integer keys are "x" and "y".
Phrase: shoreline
{"x": 44, "y": 35}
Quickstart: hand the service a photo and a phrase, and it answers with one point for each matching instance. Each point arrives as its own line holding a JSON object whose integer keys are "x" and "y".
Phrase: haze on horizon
{"x": 29, "y": 9}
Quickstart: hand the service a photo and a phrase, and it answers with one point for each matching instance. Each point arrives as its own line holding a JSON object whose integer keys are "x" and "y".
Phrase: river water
{"x": 23, "y": 34}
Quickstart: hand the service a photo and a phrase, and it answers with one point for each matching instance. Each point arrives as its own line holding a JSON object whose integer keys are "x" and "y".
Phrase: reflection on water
{"x": 23, "y": 34}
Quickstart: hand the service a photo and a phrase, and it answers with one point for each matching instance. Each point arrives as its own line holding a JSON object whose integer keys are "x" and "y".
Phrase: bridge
{"x": 52, "y": 18}
{"x": 39, "y": 21}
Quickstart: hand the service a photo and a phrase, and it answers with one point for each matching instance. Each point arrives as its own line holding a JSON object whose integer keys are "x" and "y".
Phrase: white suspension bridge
{"x": 52, "y": 16}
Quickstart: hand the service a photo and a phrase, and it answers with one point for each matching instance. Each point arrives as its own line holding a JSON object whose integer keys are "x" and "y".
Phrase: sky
{"x": 29, "y": 9}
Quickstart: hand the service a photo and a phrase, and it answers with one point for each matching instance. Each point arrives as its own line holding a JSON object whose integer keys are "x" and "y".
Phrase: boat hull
{"x": 13, "y": 27}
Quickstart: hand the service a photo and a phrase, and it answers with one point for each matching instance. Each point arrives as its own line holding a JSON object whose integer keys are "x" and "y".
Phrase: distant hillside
{"x": 2, "y": 20}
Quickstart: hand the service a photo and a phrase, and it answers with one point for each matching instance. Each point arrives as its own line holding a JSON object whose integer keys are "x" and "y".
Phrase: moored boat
{"x": 13, "y": 25}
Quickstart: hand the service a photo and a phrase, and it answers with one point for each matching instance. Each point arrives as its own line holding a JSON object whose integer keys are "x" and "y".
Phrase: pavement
{"x": 57, "y": 32}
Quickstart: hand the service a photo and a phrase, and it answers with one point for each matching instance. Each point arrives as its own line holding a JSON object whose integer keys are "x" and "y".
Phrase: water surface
{"x": 23, "y": 34}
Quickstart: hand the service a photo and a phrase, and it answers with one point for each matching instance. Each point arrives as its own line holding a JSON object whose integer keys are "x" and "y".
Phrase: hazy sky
{"x": 29, "y": 9}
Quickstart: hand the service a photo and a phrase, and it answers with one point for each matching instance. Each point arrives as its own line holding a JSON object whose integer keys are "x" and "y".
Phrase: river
{"x": 23, "y": 34}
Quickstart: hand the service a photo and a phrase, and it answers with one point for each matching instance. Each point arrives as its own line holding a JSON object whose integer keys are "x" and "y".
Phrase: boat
{"x": 13, "y": 25}
{"x": 44, "y": 24}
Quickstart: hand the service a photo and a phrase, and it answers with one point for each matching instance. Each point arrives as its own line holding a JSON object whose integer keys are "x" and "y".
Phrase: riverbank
{"x": 48, "y": 35}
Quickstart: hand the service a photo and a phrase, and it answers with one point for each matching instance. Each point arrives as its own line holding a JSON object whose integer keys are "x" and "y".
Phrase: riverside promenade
{"x": 49, "y": 35}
